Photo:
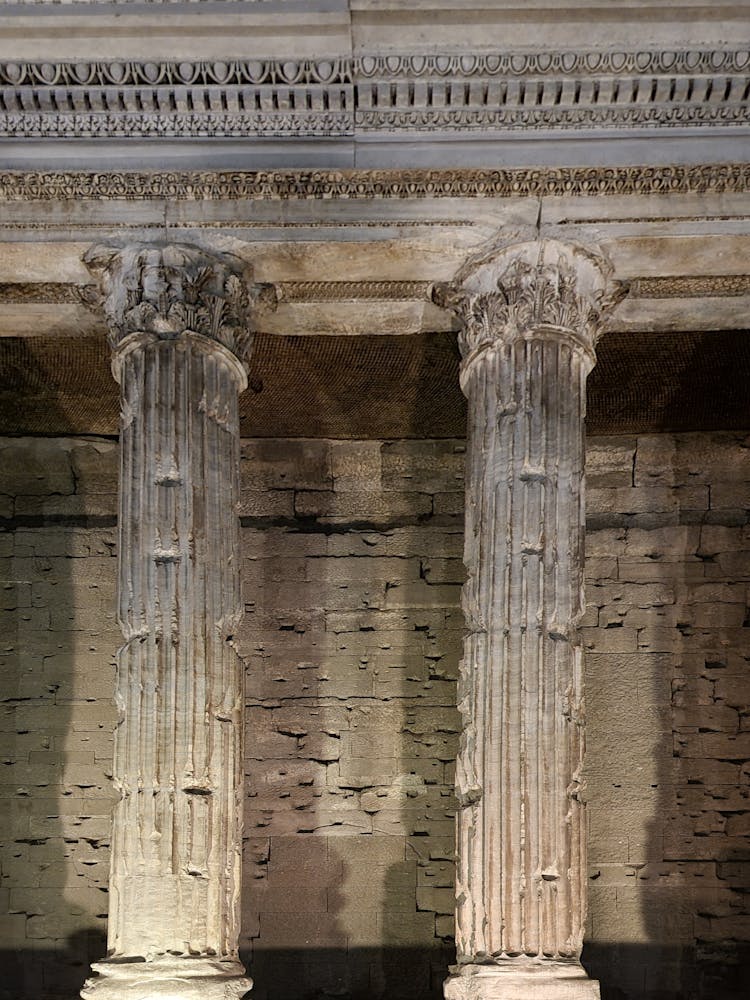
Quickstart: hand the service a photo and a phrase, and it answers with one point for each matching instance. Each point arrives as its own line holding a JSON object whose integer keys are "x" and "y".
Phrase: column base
{"x": 167, "y": 978}
{"x": 524, "y": 980}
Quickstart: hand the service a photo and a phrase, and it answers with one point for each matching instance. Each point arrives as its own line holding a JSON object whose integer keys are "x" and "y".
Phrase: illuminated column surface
{"x": 531, "y": 315}
{"x": 178, "y": 327}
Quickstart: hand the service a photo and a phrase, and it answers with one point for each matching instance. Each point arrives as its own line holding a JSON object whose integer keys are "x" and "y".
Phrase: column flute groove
{"x": 179, "y": 329}
{"x": 531, "y": 315}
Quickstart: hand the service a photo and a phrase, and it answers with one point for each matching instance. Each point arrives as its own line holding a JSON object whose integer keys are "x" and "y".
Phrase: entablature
{"x": 355, "y": 84}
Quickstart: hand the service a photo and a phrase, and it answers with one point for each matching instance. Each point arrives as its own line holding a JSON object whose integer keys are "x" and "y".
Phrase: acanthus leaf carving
{"x": 523, "y": 288}
{"x": 167, "y": 290}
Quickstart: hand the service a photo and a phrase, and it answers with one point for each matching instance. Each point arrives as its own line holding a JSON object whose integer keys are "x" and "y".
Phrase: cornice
{"x": 130, "y": 73}
{"x": 563, "y": 63}
{"x": 349, "y": 96}
{"x": 115, "y": 3}
{"x": 112, "y": 3}
{"x": 268, "y": 185}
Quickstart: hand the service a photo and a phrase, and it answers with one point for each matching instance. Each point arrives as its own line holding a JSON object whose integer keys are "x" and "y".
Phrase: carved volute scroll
{"x": 523, "y": 289}
{"x": 168, "y": 290}
{"x": 179, "y": 326}
{"x": 531, "y": 315}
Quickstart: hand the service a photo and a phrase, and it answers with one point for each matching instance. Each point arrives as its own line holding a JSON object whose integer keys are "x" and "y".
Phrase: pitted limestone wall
{"x": 57, "y": 642}
{"x": 352, "y": 636}
{"x": 667, "y": 634}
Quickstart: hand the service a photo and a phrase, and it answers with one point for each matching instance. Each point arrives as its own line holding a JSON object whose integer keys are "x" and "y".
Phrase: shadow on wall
{"x": 705, "y": 789}
{"x": 288, "y": 916}
{"x": 350, "y": 723}
{"x": 56, "y": 546}
{"x": 709, "y": 811}
{"x": 669, "y": 694}
{"x": 352, "y": 568}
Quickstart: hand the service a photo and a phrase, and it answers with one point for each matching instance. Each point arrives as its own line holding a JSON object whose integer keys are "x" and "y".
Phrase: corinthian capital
{"x": 527, "y": 288}
{"x": 168, "y": 290}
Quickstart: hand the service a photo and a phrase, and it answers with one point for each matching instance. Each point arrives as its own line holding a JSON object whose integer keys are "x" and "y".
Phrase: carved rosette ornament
{"x": 179, "y": 328}
{"x": 531, "y": 317}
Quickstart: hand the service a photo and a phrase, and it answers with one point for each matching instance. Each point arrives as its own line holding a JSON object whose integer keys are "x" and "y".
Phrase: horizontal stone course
{"x": 269, "y": 465}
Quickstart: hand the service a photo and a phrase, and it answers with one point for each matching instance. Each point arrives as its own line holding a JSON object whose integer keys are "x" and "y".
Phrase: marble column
{"x": 178, "y": 328}
{"x": 531, "y": 315}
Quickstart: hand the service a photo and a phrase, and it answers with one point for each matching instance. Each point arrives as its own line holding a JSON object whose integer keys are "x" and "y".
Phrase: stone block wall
{"x": 352, "y": 636}
{"x": 58, "y": 638}
{"x": 667, "y": 636}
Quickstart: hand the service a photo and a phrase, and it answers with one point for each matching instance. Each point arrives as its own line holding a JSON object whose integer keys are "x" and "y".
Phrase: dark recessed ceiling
{"x": 389, "y": 387}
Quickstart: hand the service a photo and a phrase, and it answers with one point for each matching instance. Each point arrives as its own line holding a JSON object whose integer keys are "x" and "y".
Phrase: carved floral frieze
{"x": 675, "y": 286}
{"x": 691, "y": 286}
{"x": 209, "y": 185}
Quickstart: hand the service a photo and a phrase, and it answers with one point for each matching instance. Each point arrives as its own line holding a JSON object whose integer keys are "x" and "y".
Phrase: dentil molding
{"x": 349, "y": 96}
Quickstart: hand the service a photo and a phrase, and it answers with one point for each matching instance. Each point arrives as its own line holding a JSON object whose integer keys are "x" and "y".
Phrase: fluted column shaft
{"x": 178, "y": 767}
{"x": 520, "y": 885}
{"x": 178, "y": 327}
{"x": 531, "y": 316}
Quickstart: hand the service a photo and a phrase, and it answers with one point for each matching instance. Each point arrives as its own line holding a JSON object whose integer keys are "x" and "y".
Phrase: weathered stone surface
{"x": 678, "y": 776}
{"x": 360, "y": 508}
{"x": 179, "y": 328}
{"x": 356, "y": 466}
{"x": 609, "y": 462}
{"x": 35, "y": 468}
{"x": 653, "y": 815}
{"x": 291, "y": 465}
{"x": 531, "y": 317}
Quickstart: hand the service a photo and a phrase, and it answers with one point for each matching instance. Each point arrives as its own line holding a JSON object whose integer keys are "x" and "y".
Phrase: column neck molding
{"x": 539, "y": 289}
{"x": 166, "y": 292}
{"x": 139, "y": 340}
